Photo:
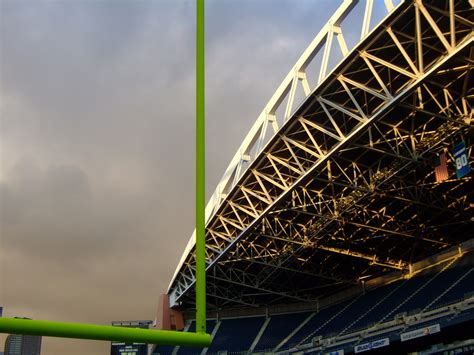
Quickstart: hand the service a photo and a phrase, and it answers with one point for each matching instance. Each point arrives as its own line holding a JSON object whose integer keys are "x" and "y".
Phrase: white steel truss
{"x": 344, "y": 189}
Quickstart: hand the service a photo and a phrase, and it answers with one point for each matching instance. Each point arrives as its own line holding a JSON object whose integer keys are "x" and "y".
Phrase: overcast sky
{"x": 97, "y": 138}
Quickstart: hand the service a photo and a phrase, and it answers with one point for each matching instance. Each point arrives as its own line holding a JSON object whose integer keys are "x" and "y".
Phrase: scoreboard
{"x": 129, "y": 349}
{"x": 121, "y": 348}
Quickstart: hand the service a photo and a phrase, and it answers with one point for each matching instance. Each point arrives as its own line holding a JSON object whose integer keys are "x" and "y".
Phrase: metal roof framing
{"x": 344, "y": 189}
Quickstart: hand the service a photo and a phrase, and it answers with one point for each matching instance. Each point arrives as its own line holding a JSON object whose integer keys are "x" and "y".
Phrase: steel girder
{"x": 344, "y": 190}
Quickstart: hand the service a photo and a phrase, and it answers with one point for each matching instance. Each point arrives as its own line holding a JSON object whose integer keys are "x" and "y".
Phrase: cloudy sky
{"x": 97, "y": 137}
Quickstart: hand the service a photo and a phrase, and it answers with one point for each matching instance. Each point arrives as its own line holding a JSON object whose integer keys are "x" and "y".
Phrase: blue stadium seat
{"x": 315, "y": 323}
{"x": 164, "y": 350}
{"x": 236, "y": 334}
{"x": 462, "y": 283}
{"x": 371, "y": 306}
{"x": 423, "y": 289}
{"x": 387, "y": 310}
{"x": 279, "y": 327}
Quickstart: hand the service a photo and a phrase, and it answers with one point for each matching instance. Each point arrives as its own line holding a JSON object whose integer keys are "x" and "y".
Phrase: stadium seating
{"x": 279, "y": 327}
{"x": 236, "y": 334}
{"x": 317, "y": 323}
{"x": 428, "y": 290}
{"x": 373, "y": 305}
{"x": 455, "y": 291}
{"x": 385, "y": 302}
{"x": 164, "y": 350}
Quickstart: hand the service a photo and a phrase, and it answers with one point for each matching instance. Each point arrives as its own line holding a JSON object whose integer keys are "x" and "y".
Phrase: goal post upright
{"x": 200, "y": 172}
{"x": 151, "y": 336}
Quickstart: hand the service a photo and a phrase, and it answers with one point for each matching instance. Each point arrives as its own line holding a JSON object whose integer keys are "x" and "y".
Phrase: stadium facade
{"x": 345, "y": 223}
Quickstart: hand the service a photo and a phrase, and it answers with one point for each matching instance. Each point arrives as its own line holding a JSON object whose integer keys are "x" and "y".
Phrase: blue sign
{"x": 461, "y": 160}
{"x": 372, "y": 345}
{"x": 336, "y": 352}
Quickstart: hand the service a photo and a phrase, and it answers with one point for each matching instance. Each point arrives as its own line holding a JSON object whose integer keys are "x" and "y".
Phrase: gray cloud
{"x": 97, "y": 142}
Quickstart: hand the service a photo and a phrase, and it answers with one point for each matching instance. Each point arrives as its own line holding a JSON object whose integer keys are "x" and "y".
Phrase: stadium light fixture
{"x": 163, "y": 337}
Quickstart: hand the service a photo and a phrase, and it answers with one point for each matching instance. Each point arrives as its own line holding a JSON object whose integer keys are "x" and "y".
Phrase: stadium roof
{"x": 344, "y": 189}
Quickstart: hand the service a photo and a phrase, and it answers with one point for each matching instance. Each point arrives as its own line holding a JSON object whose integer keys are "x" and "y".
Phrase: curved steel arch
{"x": 312, "y": 175}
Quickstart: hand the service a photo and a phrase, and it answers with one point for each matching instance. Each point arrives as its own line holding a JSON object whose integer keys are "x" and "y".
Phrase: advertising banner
{"x": 372, "y": 345}
{"x": 420, "y": 332}
{"x": 461, "y": 160}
